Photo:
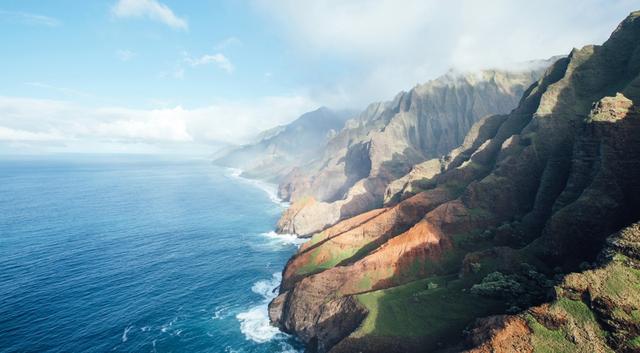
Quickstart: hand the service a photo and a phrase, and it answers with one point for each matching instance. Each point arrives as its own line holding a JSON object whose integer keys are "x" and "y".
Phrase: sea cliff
{"x": 495, "y": 236}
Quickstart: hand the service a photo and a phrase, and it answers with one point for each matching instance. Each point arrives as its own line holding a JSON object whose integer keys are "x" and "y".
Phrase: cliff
{"x": 386, "y": 140}
{"x": 276, "y": 151}
{"x": 498, "y": 228}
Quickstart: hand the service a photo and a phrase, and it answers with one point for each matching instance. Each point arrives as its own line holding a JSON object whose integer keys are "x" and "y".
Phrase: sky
{"x": 188, "y": 77}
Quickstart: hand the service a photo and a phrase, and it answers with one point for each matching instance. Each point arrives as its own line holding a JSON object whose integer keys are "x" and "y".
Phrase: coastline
{"x": 254, "y": 322}
{"x": 269, "y": 188}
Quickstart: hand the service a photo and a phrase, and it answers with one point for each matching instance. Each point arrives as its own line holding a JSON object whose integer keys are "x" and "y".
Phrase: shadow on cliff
{"x": 578, "y": 201}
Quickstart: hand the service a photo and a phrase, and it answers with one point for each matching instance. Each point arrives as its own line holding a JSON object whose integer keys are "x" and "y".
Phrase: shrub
{"x": 497, "y": 285}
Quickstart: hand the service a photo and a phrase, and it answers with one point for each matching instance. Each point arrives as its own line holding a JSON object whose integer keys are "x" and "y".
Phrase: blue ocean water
{"x": 136, "y": 254}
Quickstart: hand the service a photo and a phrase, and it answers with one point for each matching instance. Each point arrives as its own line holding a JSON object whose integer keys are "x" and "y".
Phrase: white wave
{"x": 266, "y": 288}
{"x": 167, "y": 326}
{"x": 220, "y": 312}
{"x": 126, "y": 331}
{"x": 254, "y": 323}
{"x": 270, "y": 189}
{"x": 286, "y": 239}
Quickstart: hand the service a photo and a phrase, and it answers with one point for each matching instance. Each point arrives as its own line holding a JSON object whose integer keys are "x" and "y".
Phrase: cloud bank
{"x": 390, "y": 45}
{"x": 38, "y": 125}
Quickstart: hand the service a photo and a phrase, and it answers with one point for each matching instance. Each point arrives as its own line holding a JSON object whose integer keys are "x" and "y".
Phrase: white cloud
{"x": 218, "y": 59}
{"x": 125, "y": 55}
{"x": 37, "y": 123}
{"x": 151, "y": 9}
{"x": 390, "y": 45}
{"x": 28, "y": 18}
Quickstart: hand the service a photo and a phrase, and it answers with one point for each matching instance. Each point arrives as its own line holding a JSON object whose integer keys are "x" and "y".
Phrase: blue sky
{"x": 164, "y": 76}
{"x": 137, "y": 61}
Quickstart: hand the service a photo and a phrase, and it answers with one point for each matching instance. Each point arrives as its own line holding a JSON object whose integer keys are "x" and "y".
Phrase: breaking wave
{"x": 285, "y": 239}
{"x": 254, "y": 323}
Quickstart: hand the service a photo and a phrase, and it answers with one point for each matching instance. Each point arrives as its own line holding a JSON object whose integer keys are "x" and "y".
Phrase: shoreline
{"x": 269, "y": 188}
{"x": 254, "y": 322}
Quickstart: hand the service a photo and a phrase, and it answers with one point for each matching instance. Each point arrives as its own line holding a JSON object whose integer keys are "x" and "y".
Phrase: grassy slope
{"x": 617, "y": 287}
{"x": 432, "y": 309}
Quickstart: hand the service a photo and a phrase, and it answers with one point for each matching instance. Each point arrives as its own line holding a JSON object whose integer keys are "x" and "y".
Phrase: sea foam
{"x": 254, "y": 323}
{"x": 125, "y": 333}
{"x": 284, "y": 239}
{"x": 270, "y": 189}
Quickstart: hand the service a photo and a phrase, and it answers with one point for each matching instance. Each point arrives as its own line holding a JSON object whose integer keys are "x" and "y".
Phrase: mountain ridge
{"x": 274, "y": 152}
{"x": 388, "y": 138}
{"x": 528, "y": 199}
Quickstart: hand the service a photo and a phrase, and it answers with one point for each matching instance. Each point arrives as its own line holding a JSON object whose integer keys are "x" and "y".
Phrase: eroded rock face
{"x": 388, "y": 139}
{"x": 309, "y": 215}
{"x": 342, "y": 242}
{"x": 546, "y": 185}
{"x": 501, "y": 334}
{"x": 422, "y": 175}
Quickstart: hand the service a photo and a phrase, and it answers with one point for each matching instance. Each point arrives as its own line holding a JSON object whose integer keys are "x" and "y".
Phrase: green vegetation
{"x": 362, "y": 252}
{"x": 365, "y": 283}
{"x": 545, "y": 340}
{"x": 498, "y": 285}
{"x": 479, "y": 213}
{"x": 316, "y": 238}
{"x": 569, "y": 337}
{"x": 337, "y": 256}
{"x": 455, "y": 187}
{"x": 423, "y": 184}
{"x": 615, "y": 284}
{"x": 471, "y": 241}
{"x": 578, "y": 310}
{"x": 314, "y": 266}
{"x": 434, "y": 308}
{"x": 623, "y": 280}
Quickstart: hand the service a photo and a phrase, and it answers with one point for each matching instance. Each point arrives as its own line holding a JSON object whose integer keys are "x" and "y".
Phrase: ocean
{"x": 137, "y": 254}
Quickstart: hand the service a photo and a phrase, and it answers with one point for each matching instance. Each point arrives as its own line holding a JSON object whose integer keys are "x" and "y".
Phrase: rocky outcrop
{"x": 529, "y": 198}
{"x": 501, "y": 334}
{"x": 277, "y": 151}
{"x": 388, "y": 139}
